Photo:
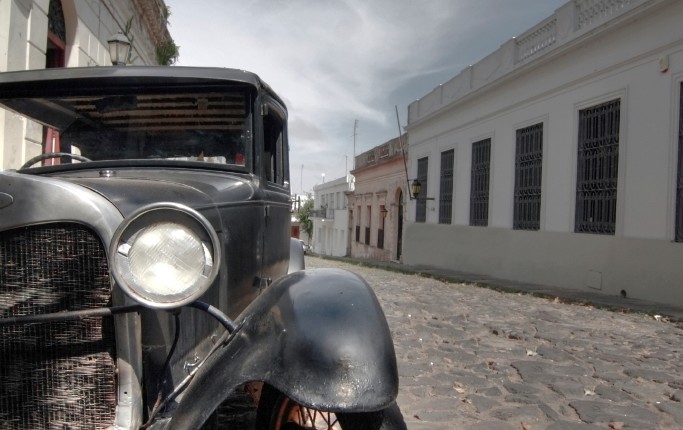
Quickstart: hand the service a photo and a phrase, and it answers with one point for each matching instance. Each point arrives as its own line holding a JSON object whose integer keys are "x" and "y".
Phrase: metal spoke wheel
{"x": 295, "y": 416}
{"x": 278, "y": 412}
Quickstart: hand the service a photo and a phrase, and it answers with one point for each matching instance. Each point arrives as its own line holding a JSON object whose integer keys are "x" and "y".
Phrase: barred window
{"x": 597, "y": 168}
{"x": 421, "y": 203}
{"x": 367, "y": 227}
{"x": 446, "y": 187}
{"x": 679, "y": 186}
{"x": 358, "y": 222}
{"x": 528, "y": 163}
{"x": 479, "y": 187}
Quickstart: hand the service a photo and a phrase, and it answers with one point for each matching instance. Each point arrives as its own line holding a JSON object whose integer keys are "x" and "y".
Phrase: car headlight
{"x": 165, "y": 255}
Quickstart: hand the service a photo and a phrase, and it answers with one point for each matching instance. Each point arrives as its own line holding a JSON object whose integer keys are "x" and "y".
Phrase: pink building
{"x": 378, "y": 202}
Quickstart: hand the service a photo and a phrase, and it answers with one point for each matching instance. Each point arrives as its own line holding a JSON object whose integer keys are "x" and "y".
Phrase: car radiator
{"x": 55, "y": 374}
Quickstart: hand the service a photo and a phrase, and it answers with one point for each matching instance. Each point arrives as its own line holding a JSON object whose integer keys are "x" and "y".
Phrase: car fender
{"x": 319, "y": 336}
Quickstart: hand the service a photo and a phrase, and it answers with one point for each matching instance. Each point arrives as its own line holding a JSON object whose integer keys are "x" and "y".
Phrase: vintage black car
{"x": 147, "y": 276}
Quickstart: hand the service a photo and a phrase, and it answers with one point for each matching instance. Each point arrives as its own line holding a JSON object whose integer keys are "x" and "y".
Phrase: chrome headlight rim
{"x": 169, "y": 215}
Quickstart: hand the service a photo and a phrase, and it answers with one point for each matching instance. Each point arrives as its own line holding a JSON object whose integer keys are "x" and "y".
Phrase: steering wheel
{"x": 48, "y": 155}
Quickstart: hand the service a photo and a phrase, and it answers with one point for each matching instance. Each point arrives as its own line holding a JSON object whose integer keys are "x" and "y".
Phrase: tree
{"x": 304, "y": 215}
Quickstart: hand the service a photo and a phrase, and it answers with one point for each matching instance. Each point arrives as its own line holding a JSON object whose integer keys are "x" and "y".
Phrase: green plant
{"x": 166, "y": 13}
{"x": 127, "y": 32}
{"x": 167, "y": 52}
{"x": 304, "y": 216}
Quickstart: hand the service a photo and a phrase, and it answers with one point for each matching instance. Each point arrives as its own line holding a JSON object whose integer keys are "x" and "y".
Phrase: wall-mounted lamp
{"x": 119, "y": 48}
{"x": 415, "y": 188}
{"x": 383, "y": 210}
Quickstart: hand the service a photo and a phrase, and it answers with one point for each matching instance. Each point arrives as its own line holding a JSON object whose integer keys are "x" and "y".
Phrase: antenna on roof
{"x": 403, "y": 151}
{"x": 355, "y": 127}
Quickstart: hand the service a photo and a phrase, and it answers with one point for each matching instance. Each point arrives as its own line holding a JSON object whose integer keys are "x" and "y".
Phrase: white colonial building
{"x": 557, "y": 159}
{"x": 38, "y": 34}
{"x": 331, "y": 218}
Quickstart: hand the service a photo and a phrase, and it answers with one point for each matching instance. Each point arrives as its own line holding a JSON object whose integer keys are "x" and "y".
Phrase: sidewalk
{"x": 615, "y": 303}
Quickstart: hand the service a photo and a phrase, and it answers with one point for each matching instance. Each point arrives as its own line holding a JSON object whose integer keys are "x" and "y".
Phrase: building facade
{"x": 379, "y": 202}
{"x": 557, "y": 159}
{"x": 331, "y": 218}
{"x": 38, "y": 34}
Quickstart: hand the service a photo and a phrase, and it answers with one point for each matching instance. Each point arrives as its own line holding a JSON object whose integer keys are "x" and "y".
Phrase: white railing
{"x": 572, "y": 20}
{"x": 537, "y": 40}
{"x": 593, "y": 12}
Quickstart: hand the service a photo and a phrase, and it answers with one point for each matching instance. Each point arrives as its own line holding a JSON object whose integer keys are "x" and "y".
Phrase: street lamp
{"x": 119, "y": 48}
{"x": 415, "y": 188}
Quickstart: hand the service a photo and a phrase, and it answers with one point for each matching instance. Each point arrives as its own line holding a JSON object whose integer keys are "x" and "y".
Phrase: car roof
{"x": 31, "y": 83}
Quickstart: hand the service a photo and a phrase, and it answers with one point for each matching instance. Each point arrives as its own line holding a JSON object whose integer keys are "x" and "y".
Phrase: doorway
{"x": 399, "y": 238}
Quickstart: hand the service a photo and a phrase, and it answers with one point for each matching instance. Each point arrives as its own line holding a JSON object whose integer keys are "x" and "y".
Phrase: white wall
{"x": 617, "y": 59}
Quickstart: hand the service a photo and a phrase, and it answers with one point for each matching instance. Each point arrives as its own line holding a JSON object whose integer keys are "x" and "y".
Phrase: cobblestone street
{"x": 476, "y": 359}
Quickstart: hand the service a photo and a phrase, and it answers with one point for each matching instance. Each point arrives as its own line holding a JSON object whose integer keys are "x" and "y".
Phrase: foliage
{"x": 127, "y": 32}
{"x": 167, "y": 52}
{"x": 305, "y": 215}
{"x": 166, "y": 13}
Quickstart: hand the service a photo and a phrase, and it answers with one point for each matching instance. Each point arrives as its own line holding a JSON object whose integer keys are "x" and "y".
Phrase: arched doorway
{"x": 56, "y": 35}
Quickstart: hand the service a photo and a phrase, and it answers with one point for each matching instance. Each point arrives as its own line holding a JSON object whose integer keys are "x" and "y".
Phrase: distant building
{"x": 331, "y": 218}
{"x": 558, "y": 158}
{"x": 378, "y": 202}
{"x": 38, "y": 34}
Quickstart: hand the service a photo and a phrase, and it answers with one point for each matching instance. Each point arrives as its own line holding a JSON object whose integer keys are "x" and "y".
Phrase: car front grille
{"x": 56, "y": 375}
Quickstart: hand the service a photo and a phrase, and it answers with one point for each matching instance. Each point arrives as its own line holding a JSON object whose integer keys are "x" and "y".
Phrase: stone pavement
{"x": 478, "y": 359}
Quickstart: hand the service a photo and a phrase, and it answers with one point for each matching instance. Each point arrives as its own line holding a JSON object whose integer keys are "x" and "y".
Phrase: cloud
{"x": 336, "y": 61}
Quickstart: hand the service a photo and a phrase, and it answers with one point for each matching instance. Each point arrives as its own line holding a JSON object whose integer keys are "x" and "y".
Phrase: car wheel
{"x": 278, "y": 412}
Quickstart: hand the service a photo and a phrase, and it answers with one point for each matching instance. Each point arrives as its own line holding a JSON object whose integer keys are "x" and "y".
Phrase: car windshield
{"x": 207, "y": 126}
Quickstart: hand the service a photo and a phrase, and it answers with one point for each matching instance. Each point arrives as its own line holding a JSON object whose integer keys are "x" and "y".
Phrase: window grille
{"x": 357, "y": 233}
{"x": 597, "y": 168}
{"x": 421, "y": 203}
{"x": 479, "y": 187}
{"x": 446, "y": 187}
{"x": 380, "y": 238}
{"x": 367, "y": 228}
{"x": 528, "y": 163}
{"x": 679, "y": 186}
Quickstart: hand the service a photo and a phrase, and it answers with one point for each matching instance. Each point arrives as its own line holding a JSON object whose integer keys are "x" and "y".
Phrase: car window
{"x": 275, "y": 147}
{"x": 193, "y": 126}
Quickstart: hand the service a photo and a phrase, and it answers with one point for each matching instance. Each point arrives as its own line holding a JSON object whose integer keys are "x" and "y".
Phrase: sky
{"x": 343, "y": 67}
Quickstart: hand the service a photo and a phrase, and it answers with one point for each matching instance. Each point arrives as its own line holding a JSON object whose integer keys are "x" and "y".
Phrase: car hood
{"x": 205, "y": 192}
